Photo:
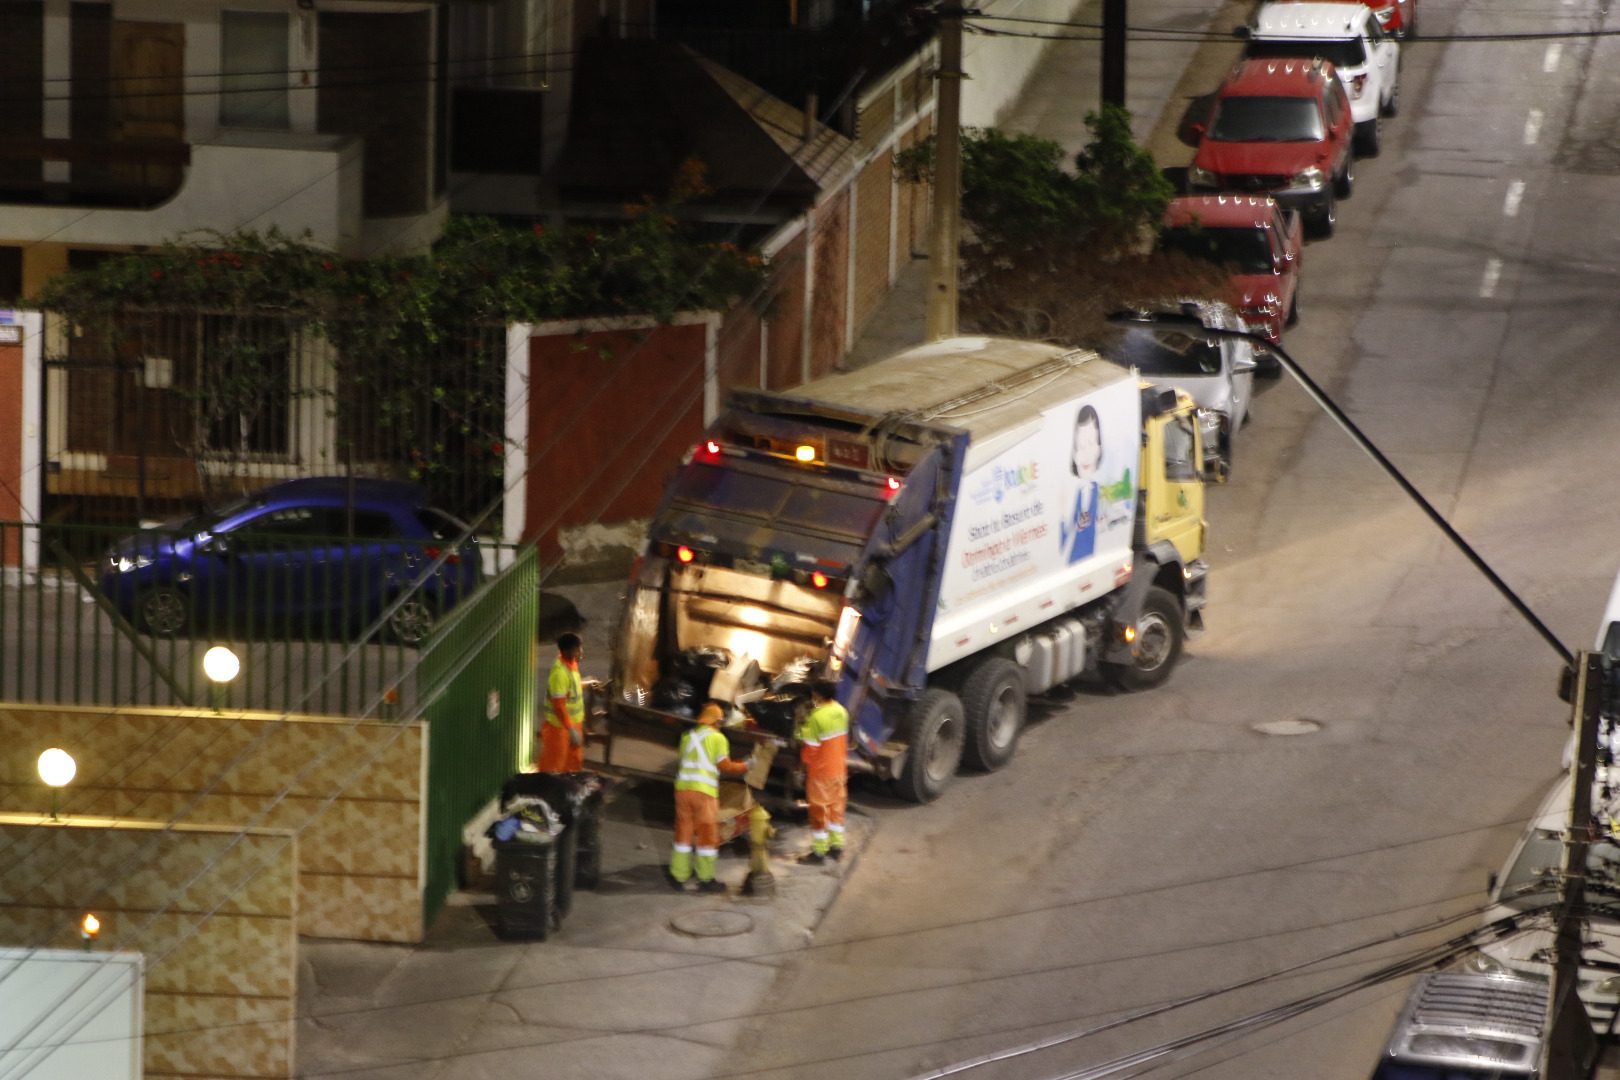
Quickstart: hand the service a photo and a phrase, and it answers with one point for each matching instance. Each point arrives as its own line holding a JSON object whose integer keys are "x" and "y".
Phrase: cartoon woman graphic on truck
{"x": 1079, "y": 528}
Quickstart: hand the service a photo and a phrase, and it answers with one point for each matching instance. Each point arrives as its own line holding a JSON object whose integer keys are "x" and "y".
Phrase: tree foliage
{"x": 1049, "y": 251}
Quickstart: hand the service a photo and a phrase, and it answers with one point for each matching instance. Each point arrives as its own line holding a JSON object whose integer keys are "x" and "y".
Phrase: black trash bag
{"x": 774, "y": 714}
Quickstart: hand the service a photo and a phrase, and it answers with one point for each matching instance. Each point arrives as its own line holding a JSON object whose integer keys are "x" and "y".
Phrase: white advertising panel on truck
{"x": 1044, "y": 524}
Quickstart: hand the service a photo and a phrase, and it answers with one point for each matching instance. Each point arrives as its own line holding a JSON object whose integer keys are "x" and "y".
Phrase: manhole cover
{"x": 714, "y": 922}
{"x": 1289, "y": 727}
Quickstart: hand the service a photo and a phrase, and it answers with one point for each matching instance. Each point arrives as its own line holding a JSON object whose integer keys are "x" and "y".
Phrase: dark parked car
{"x": 320, "y": 555}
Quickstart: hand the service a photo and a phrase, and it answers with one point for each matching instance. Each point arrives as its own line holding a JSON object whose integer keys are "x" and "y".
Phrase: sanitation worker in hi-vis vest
{"x": 705, "y": 754}
{"x": 824, "y": 749}
{"x": 562, "y": 737}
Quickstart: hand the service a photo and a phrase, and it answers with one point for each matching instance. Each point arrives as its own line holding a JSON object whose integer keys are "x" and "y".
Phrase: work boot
{"x": 835, "y": 853}
{"x": 711, "y": 886}
{"x": 812, "y": 858}
{"x": 674, "y": 882}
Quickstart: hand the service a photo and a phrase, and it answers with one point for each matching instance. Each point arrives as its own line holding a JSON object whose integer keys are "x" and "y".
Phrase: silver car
{"x": 1218, "y": 375}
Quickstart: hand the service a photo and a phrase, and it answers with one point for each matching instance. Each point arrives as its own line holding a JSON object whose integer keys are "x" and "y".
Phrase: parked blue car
{"x": 322, "y": 555}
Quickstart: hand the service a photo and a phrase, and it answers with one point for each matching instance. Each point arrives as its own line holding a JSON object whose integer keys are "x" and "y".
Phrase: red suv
{"x": 1280, "y": 128}
{"x": 1256, "y": 238}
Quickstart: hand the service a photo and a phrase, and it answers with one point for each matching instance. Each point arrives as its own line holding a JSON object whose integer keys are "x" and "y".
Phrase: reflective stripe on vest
{"x": 825, "y": 722}
{"x": 698, "y": 768}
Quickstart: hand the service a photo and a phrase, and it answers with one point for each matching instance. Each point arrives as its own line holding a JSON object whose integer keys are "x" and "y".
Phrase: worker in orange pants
{"x": 562, "y": 736}
{"x": 705, "y": 754}
{"x": 824, "y": 749}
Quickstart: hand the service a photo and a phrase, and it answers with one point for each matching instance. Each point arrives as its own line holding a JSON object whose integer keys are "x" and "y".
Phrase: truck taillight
{"x": 818, "y": 579}
{"x": 893, "y": 484}
{"x": 709, "y": 450}
{"x": 683, "y": 553}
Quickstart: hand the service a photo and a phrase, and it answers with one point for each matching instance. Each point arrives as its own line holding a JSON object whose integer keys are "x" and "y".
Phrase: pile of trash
{"x": 709, "y": 672}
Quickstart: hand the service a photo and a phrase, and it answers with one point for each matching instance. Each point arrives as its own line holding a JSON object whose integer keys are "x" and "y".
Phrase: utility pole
{"x": 1571, "y": 1046}
{"x": 1113, "y": 53}
{"x": 945, "y": 229}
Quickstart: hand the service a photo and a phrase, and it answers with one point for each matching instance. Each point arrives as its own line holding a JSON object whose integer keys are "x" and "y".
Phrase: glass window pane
{"x": 253, "y": 69}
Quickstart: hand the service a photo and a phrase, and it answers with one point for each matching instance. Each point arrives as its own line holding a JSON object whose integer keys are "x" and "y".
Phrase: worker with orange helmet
{"x": 705, "y": 754}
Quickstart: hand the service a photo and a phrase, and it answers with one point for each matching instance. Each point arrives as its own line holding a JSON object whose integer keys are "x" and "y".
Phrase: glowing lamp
{"x": 818, "y": 579}
{"x": 894, "y": 483}
{"x": 1130, "y": 633}
{"x": 57, "y": 767}
{"x": 89, "y": 927}
{"x": 805, "y": 453}
{"x": 683, "y": 553}
{"x": 712, "y": 447}
{"x": 220, "y": 664}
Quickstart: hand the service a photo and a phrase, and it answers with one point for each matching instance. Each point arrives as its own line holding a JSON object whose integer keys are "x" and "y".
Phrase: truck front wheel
{"x": 1158, "y": 643}
{"x": 994, "y": 703}
{"x": 936, "y": 736}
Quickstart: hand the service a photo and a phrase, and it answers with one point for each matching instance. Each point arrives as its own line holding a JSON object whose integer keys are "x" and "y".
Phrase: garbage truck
{"x": 942, "y": 534}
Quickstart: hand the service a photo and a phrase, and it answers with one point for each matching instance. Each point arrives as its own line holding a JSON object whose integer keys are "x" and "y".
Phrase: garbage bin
{"x": 577, "y": 800}
{"x": 526, "y": 887}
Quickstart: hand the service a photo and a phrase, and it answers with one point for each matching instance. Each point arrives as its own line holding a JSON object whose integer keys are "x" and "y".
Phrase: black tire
{"x": 1368, "y": 141}
{"x": 937, "y": 730}
{"x": 413, "y": 621}
{"x": 1320, "y": 224}
{"x": 1345, "y": 183}
{"x": 1159, "y": 633}
{"x": 1293, "y": 316}
{"x": 1392, "y": 107}
{"x": 162, "y": 611}
{"x": 995, "y": 706}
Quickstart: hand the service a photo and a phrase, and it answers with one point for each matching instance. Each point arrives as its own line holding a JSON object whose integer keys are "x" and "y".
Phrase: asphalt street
{"x": 1142, "y": 848}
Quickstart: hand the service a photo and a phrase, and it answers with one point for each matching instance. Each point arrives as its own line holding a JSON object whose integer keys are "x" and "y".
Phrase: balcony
{"x": 147, "y": 193}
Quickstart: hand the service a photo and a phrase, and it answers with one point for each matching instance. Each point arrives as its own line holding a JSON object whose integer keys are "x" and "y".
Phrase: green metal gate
{"x": 477, "y": 679}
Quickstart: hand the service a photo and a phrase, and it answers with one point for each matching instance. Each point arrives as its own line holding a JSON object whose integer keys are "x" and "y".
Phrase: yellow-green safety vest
{"x": 563, "y": 682}
{"x": 702, "y": 747}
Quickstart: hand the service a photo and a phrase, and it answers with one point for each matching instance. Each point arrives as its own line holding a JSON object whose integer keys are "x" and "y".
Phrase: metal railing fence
{"x": 111, "y": 616}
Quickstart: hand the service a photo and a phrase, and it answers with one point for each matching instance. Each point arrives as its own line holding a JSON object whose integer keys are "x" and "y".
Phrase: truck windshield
{"x": 1267, "y": 119}
{"x": 1341, "y": 52}
{"x": 785, "y": 502}
{"x": 1245, "y": 248}
{"x": 1532, "y": 880}
{"x": 1163, "y": 352}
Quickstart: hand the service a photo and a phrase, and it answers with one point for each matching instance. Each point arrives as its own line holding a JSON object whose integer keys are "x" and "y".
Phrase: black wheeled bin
{"x": 526, "y": 887}
{"x": 577, "y": 800}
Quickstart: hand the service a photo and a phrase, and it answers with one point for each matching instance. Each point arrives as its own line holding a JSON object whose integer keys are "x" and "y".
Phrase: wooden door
{"x": 148, "y": 77}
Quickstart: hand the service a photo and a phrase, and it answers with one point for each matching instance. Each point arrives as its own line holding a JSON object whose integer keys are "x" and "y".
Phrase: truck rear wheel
{"x": 936, "y": 735}
{"x": 1158, "y": 643}
{"x": 995, "y": 705}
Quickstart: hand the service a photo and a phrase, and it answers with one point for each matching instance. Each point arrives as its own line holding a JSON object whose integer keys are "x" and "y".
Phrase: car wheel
{"x": 1157, "y": 646}
{"x": 413, "y": 620}
{"x": 1369, "y": 135}
{"x": 1345, "y": 183}
{"x": 936, "y": 736}
{"x": 1268, "y": 367}
{"x": 1392, "y": 105}
{"x": 994, "y": 704}
{"x": 1293, "y": 312}
{"x": 1321, "y": 223}
{"x": 162, "y": 611}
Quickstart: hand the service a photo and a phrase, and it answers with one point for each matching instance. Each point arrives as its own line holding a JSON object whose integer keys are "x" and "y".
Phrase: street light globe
{"x": 56, "y": 767}
{"x": 220, "y": 664}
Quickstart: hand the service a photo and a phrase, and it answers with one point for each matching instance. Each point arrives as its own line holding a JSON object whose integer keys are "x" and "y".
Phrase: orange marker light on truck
{"x": 805, "y": 453}
{"x": 683, "y": 553}
{"x": 818, "y": 579}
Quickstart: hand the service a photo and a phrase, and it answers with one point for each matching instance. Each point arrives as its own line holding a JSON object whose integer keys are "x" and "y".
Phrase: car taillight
{"x": 433, "y": 553}
{"x": 1356, "y": 83}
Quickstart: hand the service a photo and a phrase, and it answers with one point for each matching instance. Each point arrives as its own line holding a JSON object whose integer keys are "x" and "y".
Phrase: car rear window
{"x": 1248, "y": 249}
{"x": 1163, "y": 352}
{"x": 1342, "y": 52}
{"x": 1267, "y": 119}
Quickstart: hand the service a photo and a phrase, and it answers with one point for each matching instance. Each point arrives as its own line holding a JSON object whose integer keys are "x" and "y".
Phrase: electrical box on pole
{"x": 1571, "y": 1047}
